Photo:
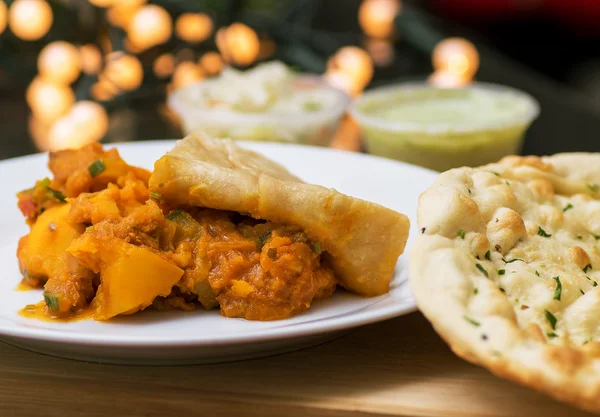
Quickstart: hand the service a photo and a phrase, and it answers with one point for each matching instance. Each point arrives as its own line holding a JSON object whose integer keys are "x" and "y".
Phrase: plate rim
{"x": 352, "y": 319}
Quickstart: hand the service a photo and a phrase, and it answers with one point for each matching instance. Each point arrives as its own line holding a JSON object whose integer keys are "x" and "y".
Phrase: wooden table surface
{"x": 395, "y": 368}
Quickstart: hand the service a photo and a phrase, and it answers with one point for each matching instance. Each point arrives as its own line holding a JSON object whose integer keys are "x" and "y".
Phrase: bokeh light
{"x": 193, "y": 27}
{"x": 48, "y": 100}
{"x": 150, "y": 26}
{"x": 124, "y": 70}
{"x": 211, "y": 63}
{"x": 447, "y": 79}
{"x": 350, "y": 69}
{"x": 123, "y": 11}
{"x": 104, "y": 89}
{"x": 87, "y": 122}
{"x": 457, "y": 56}
{"x": 376, "y": 17}
{"x": 30, "y": 19}
{"x": 238, "y": 43}
{"x": 187, "y": 73}
{"x": 60, "y": 62}
{"x": 91, "y": 59}
{"x": 92, "y": 117}
{"x": 164, "y": 65}
{"x": 3, "y": 16}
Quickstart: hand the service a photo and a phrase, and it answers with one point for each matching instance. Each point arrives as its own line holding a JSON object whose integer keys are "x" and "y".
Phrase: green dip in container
{"x": 443, "y": 128}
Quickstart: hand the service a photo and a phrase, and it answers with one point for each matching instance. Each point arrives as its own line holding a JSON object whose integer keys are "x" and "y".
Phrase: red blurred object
{"x": 580, "y": 16}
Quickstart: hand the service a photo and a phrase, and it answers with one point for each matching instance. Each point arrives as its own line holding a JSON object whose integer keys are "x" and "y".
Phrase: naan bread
{"x": 506, "y": 268}
{"x": 363, "y": 239}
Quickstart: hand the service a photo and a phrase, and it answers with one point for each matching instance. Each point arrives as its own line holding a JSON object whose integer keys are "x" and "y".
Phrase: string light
{"x": 131, "y": 46}
{"x": 211, "y": 63}
{"x": 164, "y": 65}
{"x": 87, "y": 122}
{"x": 221, "y": 41}
{"x": 48, "y": 100}
{"x": 91, "y": 117}
{"x": 351, "y": 69}
{"x": 457, "y": 56}
{"x": 187, "y": 73}
{"x": 447, "y": 79}
{"x": 124, "y": 70}
{"x": 3, "y": 16}
{"x": 91, "y": 59}
{"x": 104, "y": 89}
{"x": 122, "y": 12}
{"x": 59, "y": 62}
{"x": 150, "y": 26}
{"x": 238, "y": 43}
{"x": 376, "y": 17}
{"x": 193, "y": 27}
{"x": 30, "y": 19}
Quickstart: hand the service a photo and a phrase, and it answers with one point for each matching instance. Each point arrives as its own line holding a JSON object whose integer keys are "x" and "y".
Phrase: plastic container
{"x": 444, "y": 128}
{"x": 312, "y": 122}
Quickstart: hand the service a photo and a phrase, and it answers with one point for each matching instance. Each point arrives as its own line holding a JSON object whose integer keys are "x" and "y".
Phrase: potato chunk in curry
{"x": 100, "y": 244}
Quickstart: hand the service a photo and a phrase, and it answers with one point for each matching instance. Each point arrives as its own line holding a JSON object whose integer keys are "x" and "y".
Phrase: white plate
{"x": 201, "y": 336}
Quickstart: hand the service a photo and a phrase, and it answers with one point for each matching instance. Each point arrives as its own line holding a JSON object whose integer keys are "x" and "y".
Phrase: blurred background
{"x": 75, "y": 71}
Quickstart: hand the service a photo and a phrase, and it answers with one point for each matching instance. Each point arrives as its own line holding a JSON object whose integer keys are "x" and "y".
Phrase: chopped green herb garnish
{"x": 594, "y": 283}
{"x": 475, "y": 290}
{"x": 558, "y": 290}
{"x": 96, "y": 168}
{"x": 597, "y": 237}
{"x": 51, "y": 301}
{"x": 537, "y": 273}
{"x": 495, "y": 173}
{"x": 57, "y": 194}
{"x": 461, "y": 233}
{"x": 262, "y": 239}
{"x": 551, "y": 319}
{"x": 593, "y": 187}
{"x": 316, "y": 247}
{"x": 471, "y": 321}
{"x": 581, "y": 291}
{"x": 272, "y": 253}
{"x": 502, "y": 289}
{"x": 155, "y": 195}
{"x": 551, "y": 335}
{"x": 567, "y": 207}
{"x": 507, "y": 183}
{"x": 482, "y": 269}
{"x": 513, "y": 260}
{"x": 44, "y": 183}
{"x": 587, "y": 267}
{"x": 173, "y": 214}
{"x": 579, "y": 237}
{"x": 311, "y": 106}
{"x": 487, "y": 255}
{"x": 501, "y": 271}
{"x": 542, "y": 232}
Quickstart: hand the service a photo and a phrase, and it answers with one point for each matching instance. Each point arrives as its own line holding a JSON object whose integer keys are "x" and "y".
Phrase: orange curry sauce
{"x": 100, "y": 245}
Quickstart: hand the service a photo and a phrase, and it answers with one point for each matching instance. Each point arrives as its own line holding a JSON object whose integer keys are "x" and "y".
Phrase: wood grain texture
{"x": 396, "y": 368}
